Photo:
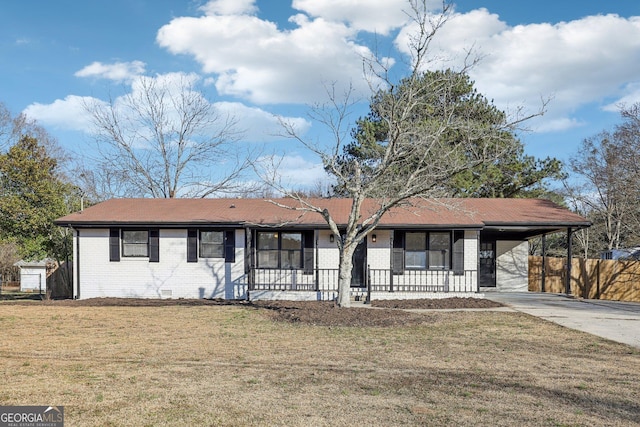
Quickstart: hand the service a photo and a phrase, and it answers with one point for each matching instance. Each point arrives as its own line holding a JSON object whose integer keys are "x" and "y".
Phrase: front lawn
{"x": 196, "y": 365}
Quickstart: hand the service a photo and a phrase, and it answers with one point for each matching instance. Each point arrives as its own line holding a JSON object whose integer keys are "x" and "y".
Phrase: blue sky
{"x": 258, "y": 58}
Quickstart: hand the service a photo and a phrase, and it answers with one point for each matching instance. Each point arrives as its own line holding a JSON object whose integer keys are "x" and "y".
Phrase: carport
{"x": 496, "y": 231}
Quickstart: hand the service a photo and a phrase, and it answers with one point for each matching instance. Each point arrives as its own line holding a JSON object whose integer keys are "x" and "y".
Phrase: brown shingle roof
{"x": 463, "y": 213}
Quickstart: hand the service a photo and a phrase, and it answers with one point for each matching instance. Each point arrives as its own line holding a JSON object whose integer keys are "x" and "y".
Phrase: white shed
{"x": 33, "y": 276}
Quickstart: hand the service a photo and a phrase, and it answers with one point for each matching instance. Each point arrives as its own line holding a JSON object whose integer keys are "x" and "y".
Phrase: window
{"x": 268, "y": 250}
{"x": 135, "y": 243}
{"x": 291, "y": 250}
{"x": 415, "y": 255}
{"x": 211, "y": 244}
{"x": 421, "y": 250}
{"x": 439, "y": 250}
{"x": 208, "y": 243}
{"x": 279, "y": 249}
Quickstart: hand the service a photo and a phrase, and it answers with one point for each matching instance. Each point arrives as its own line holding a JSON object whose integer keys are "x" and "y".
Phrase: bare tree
{"x": 164, "y": 140}
{"x": 417, "y": 157}
{"x": 606, "y": 172}
{"x": 9, "y": 255}
{"x": 14, "y": 127}
{"x": 600, "y": 164}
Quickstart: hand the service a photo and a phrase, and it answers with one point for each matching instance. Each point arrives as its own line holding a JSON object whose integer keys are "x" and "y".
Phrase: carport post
{"x": 544, "y": 261}
{"x": 569, "y": 261}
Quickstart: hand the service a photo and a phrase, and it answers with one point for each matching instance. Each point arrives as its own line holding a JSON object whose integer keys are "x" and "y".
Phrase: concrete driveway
{"x": 614, "y": 320}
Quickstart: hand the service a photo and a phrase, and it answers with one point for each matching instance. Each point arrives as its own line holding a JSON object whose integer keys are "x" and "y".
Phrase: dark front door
{"x": 359, "y": 265}
{"x": 488, "y": 263}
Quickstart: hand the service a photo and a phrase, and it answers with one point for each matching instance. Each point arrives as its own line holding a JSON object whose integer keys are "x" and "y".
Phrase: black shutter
{"x": 192, "y": 245}
{"x": 458, "y": 252}
{"x": 308, "y": 245}
{"x": 230, "y": 246}
{"x": 154, "y": 245}
{"x": 397, "y": 260}
{"x": 249, "y": 251}
{"x": 114, "y": 244}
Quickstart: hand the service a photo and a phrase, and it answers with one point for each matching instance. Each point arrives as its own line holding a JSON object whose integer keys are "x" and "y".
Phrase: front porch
{"x": 322, "y": 284}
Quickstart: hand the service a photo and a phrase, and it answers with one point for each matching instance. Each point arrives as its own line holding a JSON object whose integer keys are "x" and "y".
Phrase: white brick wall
{"x": 328, "y": 256}
{"x": 471, "y": 250}
{"x": 172, "y": 277}
{"x": 379, "y": 252}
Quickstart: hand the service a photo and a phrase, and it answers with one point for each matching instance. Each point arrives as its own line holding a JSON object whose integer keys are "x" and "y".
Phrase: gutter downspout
{"x": 75, "y": 285}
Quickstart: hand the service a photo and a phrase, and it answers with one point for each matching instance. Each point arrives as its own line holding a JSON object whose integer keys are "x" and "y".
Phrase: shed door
{"x": 488, "y": 263}
{"x": 30, "y": 281}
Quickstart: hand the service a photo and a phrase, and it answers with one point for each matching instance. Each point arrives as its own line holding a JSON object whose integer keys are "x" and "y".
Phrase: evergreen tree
{"x": 449, "y": 97}
{"x": 32, "y": 196}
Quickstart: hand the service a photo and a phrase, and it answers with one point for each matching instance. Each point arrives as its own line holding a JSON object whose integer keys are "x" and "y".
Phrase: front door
{"x": 488, "y": 263}
{"x": 359, "y": 260}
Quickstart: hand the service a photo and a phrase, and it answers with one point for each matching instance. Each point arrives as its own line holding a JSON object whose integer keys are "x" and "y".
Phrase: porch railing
{"x": 423, "y": 281}
{"x": 379, "y": 280}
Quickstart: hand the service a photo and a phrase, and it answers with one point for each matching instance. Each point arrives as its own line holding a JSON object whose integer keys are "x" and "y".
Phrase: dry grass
{"x": 229, "y": 365}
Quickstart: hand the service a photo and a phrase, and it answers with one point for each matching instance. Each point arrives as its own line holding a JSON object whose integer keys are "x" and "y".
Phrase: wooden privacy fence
{"x": 59, "y": 281}
{"x": 590, "y": 278}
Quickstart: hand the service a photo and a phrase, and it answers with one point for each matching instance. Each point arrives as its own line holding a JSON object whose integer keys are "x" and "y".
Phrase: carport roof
{"x": 436, "y": 213}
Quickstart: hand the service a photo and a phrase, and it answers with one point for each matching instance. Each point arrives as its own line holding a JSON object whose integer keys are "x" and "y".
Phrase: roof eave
{"x": 515, "y": 226}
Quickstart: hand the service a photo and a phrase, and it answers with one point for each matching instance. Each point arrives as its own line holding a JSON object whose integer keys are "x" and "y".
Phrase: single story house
{"x": 258, "y": 249}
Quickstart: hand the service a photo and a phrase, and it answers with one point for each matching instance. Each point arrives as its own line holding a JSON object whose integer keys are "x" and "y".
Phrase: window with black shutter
{"x": 279, "y": 249}
{"x": 135, "y": 243}
{"x": 428, "y": 250}
{"x": 211, "y": 243}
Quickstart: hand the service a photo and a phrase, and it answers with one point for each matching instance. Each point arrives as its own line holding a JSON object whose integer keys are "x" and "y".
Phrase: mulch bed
{"x": 322, "y": 313}
{"x": 438, "y": 304}
{"x": 382, "y": 314}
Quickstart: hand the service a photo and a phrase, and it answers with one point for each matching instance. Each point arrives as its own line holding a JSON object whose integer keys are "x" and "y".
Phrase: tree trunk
{"x": 344, "y": 274}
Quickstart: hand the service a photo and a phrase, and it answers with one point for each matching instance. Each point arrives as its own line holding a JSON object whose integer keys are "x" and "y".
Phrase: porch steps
{"x": 358, "y": 294}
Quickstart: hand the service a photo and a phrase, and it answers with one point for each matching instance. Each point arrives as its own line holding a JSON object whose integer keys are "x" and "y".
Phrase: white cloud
{"x": 118, "y": 71}
{"x": 229, "y": 7}
{"x": 253, "y": 124}
{"x": 172, "y": 83}
{"x": 68, "y": 113}
{"x": 259, "y": 125}
{"x": 255, "y": 60}
{"x": 379, "y": 16}
{"x": 295, "y": 172}
{"x": 300, "y": 172}
{"x": 575, "y": 63}
{"x": 543, "y": 125}
{"x": 632, "y": 91}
